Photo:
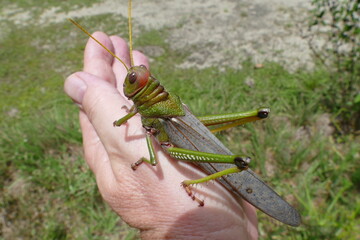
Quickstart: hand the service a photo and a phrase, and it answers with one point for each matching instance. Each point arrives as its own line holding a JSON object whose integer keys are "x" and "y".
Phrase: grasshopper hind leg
{"x": 240, "y": 166}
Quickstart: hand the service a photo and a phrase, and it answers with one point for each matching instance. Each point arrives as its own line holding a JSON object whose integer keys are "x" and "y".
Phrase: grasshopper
{"x": 187, "y": 138}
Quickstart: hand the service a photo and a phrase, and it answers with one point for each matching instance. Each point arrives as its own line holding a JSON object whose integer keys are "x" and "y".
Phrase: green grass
{"x": 48, "y": 192}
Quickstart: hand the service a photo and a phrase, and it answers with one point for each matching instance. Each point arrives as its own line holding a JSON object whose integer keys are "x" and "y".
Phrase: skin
{"x": 150, "y": 198}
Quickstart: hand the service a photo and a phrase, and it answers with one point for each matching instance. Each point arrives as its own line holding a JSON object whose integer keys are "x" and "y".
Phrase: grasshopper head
{"x": 136, "y": 79}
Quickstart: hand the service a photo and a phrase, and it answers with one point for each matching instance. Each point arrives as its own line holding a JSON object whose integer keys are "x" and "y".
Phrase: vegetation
{"x": 338, "y": 22}
{"x": 48, "y": 192}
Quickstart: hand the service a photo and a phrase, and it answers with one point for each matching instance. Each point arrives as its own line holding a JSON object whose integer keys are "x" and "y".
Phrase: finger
{"x": 94, "y": 151}
{"x": 102, "y": 104}
{"x": 97, "y": 60}
{"x": 75, "y": 88}
{"x": 95, "y": 155}
{"x": 252, "y": 223}
{"x": 140, "y": 59}
{"x": 122, "y": 51}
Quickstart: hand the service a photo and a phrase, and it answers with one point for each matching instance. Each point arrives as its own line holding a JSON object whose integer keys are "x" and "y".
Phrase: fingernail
{"x": 75, "y": 88}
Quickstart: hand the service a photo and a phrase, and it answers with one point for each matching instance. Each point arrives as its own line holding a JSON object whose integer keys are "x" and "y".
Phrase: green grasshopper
{"x": 186, "y": 138}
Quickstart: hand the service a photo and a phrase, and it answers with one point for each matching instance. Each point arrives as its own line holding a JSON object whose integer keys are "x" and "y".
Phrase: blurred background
{"x": 301, "y": 58}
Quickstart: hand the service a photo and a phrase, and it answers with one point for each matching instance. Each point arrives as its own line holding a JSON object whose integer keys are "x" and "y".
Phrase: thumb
{"x": 103, "y": 104}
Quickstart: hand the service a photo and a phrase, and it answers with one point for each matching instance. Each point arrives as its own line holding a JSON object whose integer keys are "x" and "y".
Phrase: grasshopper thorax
{"x": 136, "y": 79}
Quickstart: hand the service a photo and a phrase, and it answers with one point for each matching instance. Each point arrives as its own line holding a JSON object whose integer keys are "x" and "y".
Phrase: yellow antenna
{"x": 130, "y": 34}
{"x": 108, "y": 50}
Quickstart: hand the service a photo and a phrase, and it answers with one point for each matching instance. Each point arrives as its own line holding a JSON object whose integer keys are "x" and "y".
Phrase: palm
{"x": 149, "y": 198}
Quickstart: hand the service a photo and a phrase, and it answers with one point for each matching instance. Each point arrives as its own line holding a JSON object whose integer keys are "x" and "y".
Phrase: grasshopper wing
{"x": 189, "y": 133}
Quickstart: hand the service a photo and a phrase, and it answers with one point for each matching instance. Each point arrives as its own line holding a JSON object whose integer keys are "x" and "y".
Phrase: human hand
{"x": 150, "y": 198}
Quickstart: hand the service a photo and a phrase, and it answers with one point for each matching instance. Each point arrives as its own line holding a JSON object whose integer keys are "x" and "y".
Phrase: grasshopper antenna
{"x": 108, "y": 50}
{"x": 130, "y": 33}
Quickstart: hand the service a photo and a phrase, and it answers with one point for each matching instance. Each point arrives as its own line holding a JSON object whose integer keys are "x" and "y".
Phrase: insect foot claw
{"x": 187, "y": 188}
{"x": 190, "y": 193}
{"x": 135, "y": 165}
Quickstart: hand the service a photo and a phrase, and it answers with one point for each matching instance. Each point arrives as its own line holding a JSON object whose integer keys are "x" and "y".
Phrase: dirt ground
{"x": 218, "y": 33}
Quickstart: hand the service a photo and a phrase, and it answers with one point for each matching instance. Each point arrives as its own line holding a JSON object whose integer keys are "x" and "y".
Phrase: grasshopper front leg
{"x": 150, "y": 130}
{"x": 131, "y": 112}
{"x": 153, "y": 160}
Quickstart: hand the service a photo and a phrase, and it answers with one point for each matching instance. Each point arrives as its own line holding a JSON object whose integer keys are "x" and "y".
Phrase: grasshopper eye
{"x": 132, "y": 77}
